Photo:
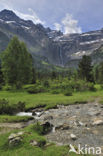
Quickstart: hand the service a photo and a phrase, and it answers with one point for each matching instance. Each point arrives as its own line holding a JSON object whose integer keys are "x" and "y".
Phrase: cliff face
{"x": 35, "y": 36}
{"x": 49, "y": 45}
{"x": 74, "y": 46}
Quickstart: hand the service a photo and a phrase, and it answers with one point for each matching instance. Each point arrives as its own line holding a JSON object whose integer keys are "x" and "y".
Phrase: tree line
{"x": 17, "y": 67}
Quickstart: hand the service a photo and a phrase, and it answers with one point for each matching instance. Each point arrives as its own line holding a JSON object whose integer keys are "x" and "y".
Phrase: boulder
{"x": 48, "y": 118}
{"x": 94, "y": 113}
{"x": 33, "y": 143}
{"x": 40, "y": 143}
{"x": 33, "y": 113}
{"x": 47, "y": 127}
{"x": 97, "y": 123}
{"x": 101, "y": 106}
{"x": 37, "y": 111}
{"x": 62, "y": 127}
{"x": 15, "y": 138}
{"x": 15, "y": 141}
{"x": 73, "y": 137}
{"x": 79, "y": 123}
{"x": 58, "y": 127}
{"x": 65, "y": 127}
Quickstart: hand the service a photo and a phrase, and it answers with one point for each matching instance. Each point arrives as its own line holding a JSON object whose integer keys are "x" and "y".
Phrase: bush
{"x": 81, "y": 85}
{"x": 41, "y": 143}
{"x": 101, "y": 86}
{"x": 55, "y": 91}
{"x": 38, "y": 128}
{"x": 91, "y": 87}
{"x": 20, "y": 106}
{"x": 0, "y": 87}
{"x": 43, "y": 128}
{"x": 6, "y": 108}
{"x": 35, "y": 89}
{"x": 7, "y": 87}
{"x": 46, "y": 84}
{"x": 68, "y": 92}
{"x": 25, "y": 87}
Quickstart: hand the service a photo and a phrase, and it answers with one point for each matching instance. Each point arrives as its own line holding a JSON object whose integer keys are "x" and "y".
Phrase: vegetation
{"x": 22, "y": 88}
{"x": 25, "y": 148}
{"x": 12, "y": 119}
{"x": 7, "y": 108}
{"x": 85, "y": 69}
{"x": 48, "y": 100}
{"x": 16, "y": 64}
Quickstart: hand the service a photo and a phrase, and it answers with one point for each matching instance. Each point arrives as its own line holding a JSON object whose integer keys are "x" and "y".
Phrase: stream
{"x": 84, "y": 121}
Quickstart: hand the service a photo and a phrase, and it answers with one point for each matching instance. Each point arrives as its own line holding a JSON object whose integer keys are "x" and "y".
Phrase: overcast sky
{"x": 70, "y": 16}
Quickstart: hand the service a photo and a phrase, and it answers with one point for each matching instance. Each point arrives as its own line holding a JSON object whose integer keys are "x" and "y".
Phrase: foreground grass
{"x": 12, "y": 119}
{"x": 28, "y": 150}
{"x": 32, "y": 101}
{"x": 49, "y": 100}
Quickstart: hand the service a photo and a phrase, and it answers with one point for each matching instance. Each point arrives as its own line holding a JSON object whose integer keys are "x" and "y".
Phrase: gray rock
{"x": 94, "y": 113}
{"x": 33, "y": 113}
{"x": 33, "y": 143}
{"x": 97, "y": 123}
{"x": 15, "y": 138}
{"x": 15, "y": 141}
{"x": 14, "y": 135}
{"x": 48, "y": 118}
{"x": 47, "y": 127}
{"x": 73, "y": 137}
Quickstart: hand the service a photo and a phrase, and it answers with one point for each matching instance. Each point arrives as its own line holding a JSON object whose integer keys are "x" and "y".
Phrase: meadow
{"x": 47, "y": 100}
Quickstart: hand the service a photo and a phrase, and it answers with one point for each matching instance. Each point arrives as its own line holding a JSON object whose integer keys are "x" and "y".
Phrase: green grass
{"x": 33, "y": 100}
{"x": 49, "y": 100}
{"x": 10, "y": 119}
{"x": 28, "y": 150}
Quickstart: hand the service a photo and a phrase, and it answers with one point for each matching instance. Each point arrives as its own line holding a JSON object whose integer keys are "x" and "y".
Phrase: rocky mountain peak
{"x": 8, "y": 15}
{"x": 57, "y": 48}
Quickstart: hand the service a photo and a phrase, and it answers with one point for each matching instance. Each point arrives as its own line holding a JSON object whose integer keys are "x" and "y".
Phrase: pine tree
{"x": 17, "y": 64}
{"x": 101, "y": 73}
{"x": 85, "y": 69}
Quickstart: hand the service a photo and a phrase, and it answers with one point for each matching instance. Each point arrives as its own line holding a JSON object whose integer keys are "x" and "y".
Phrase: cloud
{"x": 57, "y": 26}
{"x": 30, "y": 16}
{"x": 70, "y": 25}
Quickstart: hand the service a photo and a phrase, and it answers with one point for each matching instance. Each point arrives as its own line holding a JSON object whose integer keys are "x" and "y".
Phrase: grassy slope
{"x": 28, "y": 150}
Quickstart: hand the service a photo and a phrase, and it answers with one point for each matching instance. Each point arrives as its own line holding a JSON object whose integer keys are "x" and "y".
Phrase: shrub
{"x": 81, "y": 85}
{"x": 55, "y": 91}
{"x": 43, "y": 128}
{"x": 68, "y": 92}
{"x": 6, "y": 108}
{"x": 25, "y": 87}
{"x": 38, "y": 128}
{"x": 0, "y": 87}
{"x": 46, "y": 84}
{"x": 101, "y": 86}
{"x": 91, "y": 87}
{"x": 20, "y": 106}
{"x": 35, "y": 89}
{"x": 7, "y": 88}
{"x": 41, "y": 143}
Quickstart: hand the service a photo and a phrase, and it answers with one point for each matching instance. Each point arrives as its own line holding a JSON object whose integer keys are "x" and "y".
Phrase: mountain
{"x": 35, "y": 36}
{"x": 74, "y": 46}
{"x": 49, "y": 46}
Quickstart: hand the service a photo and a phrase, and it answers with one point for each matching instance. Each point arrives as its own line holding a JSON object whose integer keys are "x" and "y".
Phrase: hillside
{"x": 49, "y": 46}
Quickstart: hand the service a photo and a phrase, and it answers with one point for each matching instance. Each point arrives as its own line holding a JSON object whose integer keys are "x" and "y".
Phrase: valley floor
{"x": 79, "y": 116}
